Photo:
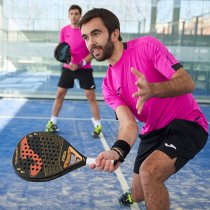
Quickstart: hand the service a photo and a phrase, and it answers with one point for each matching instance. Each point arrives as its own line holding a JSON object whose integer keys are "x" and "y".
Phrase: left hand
{"x": 144, "y": 90}
{"x": 73, "y": 66}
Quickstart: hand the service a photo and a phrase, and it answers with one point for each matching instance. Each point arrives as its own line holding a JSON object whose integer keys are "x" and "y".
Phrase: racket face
{"x": 43, "y": 156}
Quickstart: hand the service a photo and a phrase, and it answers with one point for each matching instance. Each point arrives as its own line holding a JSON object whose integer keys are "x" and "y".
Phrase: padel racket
{"x": 62, "y": 53}
{"x": 43, "y": 156}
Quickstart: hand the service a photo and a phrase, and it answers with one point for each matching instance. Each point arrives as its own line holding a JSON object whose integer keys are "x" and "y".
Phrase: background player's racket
{"x": 62, "y": 53}
{"x": 42, "y": 156}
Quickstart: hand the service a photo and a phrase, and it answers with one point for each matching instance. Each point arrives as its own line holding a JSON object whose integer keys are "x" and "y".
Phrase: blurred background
{"x": 29, "y": 31}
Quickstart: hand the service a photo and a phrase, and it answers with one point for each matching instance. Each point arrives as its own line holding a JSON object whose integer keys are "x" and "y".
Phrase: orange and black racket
{"x": 43, "y": 156}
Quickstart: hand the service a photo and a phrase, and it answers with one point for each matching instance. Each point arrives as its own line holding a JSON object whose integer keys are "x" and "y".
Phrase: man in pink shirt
{"x": 79, "y": 68}
{"x": 145, "y": 82}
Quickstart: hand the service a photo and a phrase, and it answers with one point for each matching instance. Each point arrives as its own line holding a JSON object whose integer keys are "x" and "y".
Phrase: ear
{"x": 115, "y": 34}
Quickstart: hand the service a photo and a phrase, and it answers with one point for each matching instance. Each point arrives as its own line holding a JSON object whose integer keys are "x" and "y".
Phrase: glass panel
{"x": 27, "y": 42}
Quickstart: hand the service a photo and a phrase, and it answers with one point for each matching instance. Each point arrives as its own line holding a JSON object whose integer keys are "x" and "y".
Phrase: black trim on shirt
{"x": 124, "y": 45}
{"x": 176, "y": 66}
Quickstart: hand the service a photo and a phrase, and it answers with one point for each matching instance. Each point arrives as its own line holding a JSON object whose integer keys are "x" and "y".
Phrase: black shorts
{"x": 181, "y": 139}
{"x": 85, "y": 77}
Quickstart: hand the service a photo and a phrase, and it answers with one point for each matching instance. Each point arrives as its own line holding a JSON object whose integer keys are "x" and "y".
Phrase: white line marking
{"x": 77, "y": 84}
{"x": 118, "y": 172}
{"x": 47, "y": 118}
{"x": 11, "y": 108}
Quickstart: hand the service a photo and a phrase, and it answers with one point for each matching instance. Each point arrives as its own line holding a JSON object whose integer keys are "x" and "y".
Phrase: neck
{"x": 117, "y": 53}
{"x": 74, "y": 25}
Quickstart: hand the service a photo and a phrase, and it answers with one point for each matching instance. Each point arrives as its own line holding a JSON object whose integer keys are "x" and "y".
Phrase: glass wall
{"x": 29, "y": 33}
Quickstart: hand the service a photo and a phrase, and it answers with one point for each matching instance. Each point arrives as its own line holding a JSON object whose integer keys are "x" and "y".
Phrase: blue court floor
{"x": 85, "y": 189}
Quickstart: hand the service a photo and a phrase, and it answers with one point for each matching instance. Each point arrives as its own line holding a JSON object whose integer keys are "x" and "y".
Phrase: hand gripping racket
{"x": 43, "y": 156}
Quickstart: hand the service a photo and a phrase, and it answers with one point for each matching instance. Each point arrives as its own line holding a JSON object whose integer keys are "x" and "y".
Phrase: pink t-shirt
{"x": 74, "y": 38}
{"x": 150, "y": 57}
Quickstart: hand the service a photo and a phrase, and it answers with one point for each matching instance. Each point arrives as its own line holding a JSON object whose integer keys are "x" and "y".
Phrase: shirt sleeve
{"x": 61, "y": 36}
{"x": 161, "y": 58}
{"x": 111, "y": 96}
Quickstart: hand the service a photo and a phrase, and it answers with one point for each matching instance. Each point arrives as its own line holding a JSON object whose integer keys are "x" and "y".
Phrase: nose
{"x": 90, "y": 43}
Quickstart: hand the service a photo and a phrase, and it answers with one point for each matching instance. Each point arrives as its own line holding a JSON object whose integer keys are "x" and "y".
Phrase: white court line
{"x": 47, "y": 118}
{"x": 77, "y": 83}
{"x": 12, "y": 108}
{"x": 118, "y": 172}
{"x": 60, "y": 118}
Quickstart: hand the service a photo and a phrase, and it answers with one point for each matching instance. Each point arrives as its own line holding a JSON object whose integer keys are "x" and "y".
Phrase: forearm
{"x": 88, "y": 58}
{"x": 126, "y": 137}
{"x": 128, "y": 132}
{"x": 128, "y": 128}
{"x": 180, "y": 84}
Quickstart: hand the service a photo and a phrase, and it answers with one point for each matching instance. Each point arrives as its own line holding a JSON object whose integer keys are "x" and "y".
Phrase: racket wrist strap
{"x": 122, "y": 148}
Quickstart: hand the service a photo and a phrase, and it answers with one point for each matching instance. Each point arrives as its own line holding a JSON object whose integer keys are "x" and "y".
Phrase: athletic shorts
{"x": 85, "y": 77}
{"x": 181, "y": 139}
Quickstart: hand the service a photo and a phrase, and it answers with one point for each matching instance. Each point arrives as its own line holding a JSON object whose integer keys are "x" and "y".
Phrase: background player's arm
{"x": 88, "y": 58}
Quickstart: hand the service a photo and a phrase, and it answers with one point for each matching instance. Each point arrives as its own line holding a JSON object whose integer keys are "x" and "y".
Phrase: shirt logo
{"x": 92, "y": 86}
{"x": 170, "y": 145}
{"x": 118, "y": 91}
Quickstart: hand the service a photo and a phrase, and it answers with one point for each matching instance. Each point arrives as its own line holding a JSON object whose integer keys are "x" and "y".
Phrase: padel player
{"x": 79, "y": 68}
{"x": 145, "y": 82}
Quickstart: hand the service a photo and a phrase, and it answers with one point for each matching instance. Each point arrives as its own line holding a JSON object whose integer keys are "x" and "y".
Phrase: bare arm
{"x": 181, "y": 83}
{"x": 88, "y": 58}
{"x": 128, "y": 131}
{"x": 74, "y": 66}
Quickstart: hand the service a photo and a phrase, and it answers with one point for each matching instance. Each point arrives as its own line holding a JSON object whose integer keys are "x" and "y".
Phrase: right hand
{"x": 105, "y": 161}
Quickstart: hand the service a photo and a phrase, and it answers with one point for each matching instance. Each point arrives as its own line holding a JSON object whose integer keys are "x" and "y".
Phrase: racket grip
{"x": 90, "y": 161}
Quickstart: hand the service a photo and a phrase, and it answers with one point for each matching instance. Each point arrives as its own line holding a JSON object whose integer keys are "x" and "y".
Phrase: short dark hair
{"x": 109, "y": 19}
{"x": 74, "y": 6}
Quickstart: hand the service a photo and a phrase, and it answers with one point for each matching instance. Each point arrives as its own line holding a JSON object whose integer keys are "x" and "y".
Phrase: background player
{"x": 79, "y": 68}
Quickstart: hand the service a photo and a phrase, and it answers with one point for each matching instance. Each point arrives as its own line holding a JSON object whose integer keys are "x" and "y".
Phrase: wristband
{"x": 122, "y": 148}
{"x": 83, "y": 62}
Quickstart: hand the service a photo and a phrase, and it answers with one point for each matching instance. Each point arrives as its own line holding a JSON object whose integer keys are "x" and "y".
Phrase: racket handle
{"x": 90, "y": 161}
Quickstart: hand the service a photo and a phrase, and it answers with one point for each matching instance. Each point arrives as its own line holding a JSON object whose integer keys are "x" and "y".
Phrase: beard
{"x": 107, "y": 51}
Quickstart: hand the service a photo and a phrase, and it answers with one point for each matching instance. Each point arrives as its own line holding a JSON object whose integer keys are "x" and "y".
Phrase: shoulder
{"x": 144, "y": 41}
{"x": 64, "y": 28}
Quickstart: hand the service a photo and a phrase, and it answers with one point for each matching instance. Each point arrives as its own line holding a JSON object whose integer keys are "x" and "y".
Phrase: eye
{"x": 96, "y": 33}
{"x": 85, "y": 38}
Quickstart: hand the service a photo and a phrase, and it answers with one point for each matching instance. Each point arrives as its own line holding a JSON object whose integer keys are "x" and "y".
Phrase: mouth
{"x": 95, "y": 51}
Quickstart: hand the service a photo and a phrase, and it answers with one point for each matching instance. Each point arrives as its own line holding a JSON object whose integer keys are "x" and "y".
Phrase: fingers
{"x": 136, "y": 72}
{"x": 105, "y": 162}
{"x": 139, "y": 105}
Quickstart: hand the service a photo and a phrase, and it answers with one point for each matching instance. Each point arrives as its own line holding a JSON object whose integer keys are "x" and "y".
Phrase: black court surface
{"x": 85, "y": 189}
